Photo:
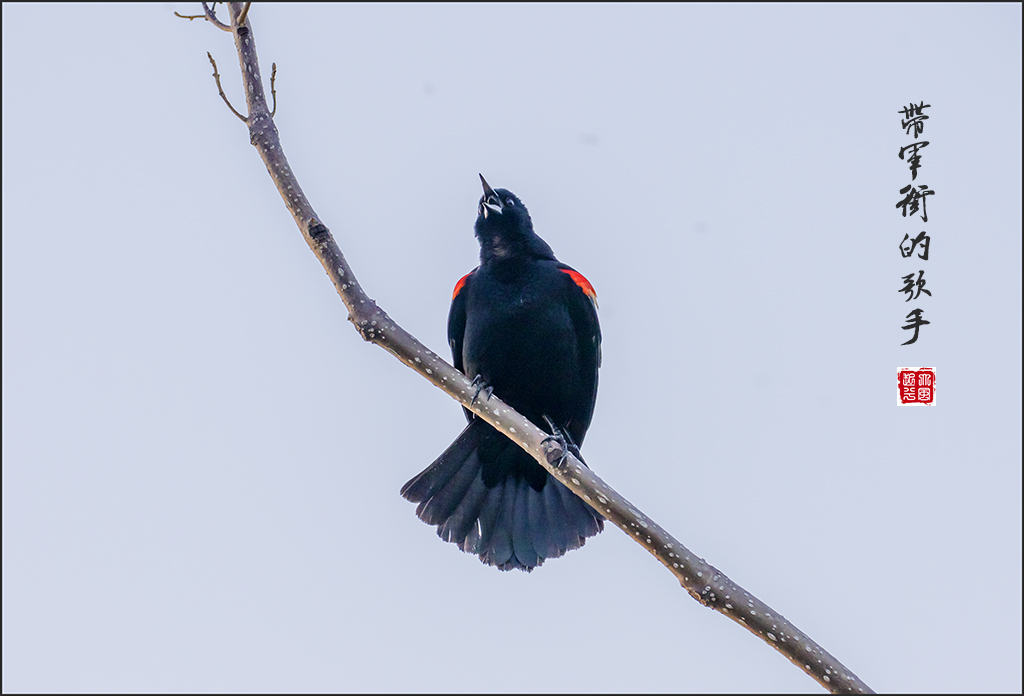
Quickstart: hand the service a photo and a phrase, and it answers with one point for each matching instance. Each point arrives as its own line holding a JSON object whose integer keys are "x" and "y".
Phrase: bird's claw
{"x": 481, "y": 386}
{"x": 564, "y": 443}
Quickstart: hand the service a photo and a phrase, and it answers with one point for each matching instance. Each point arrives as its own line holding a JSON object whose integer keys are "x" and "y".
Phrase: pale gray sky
{"x": 201, "y": 459}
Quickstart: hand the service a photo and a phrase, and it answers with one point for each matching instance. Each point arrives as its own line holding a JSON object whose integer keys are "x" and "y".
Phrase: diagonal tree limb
{"x": 704, "y": 582}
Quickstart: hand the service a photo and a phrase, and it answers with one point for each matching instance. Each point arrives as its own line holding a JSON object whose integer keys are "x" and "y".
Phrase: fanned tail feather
{"x": 480, "y": 495}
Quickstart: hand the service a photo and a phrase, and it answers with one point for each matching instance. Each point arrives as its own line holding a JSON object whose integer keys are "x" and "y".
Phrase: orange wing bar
{"x": 584, "y": 284}
{"x": 462, "y": 282}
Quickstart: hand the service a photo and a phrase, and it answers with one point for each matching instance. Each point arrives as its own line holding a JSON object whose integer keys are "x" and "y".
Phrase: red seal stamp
{"x": 916, "y": 386}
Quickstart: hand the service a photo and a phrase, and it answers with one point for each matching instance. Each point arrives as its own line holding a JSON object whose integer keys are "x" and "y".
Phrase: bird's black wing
{"x": 457, "y": 325}
{"x": 582, "y": 305}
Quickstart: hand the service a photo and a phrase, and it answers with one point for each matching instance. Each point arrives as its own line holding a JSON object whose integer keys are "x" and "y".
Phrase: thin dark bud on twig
{"x": 273, "y": 92}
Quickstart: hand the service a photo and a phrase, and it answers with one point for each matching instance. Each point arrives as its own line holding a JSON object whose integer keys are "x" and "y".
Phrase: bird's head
{"x": 504, "y": 227}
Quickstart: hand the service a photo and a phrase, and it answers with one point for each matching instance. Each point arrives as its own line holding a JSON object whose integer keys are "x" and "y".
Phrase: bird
{"x": 524, "y": 326}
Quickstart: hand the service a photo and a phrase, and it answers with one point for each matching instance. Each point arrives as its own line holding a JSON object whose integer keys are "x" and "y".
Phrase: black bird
{"x": 525, "y": 326}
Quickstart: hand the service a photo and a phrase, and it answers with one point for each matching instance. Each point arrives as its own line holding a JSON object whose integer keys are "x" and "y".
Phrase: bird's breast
{"x": 520, "y": 340}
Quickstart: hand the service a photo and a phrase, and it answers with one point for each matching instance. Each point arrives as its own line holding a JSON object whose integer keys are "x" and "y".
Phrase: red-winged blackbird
{"x": 524, "y": 325}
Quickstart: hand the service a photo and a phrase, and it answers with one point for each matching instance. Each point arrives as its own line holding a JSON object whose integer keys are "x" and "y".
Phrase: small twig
{"x": 273, "y": 92}
{"x": 216, "y": 76}
{"x": 211, "y": 17}
{"x": 242, "y": 14}
{"x": 208, "y": 15}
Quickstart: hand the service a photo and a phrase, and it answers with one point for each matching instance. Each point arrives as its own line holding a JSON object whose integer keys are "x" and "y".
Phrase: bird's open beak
{"x": 491, "y": 200}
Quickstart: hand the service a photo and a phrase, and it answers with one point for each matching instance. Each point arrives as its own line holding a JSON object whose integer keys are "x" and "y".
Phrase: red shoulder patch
{"x": 459, "y": 285}
{"x": 584, "y": 284}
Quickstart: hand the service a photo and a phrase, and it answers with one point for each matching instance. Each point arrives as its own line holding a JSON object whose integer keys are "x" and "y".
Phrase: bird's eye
{"x": 509, "y": 201}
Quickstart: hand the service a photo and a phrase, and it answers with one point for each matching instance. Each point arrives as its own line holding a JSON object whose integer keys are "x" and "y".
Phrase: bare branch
{"x": 211, "y": 17}
{"x": 704, "y": 582}
{"x": 216, "y": 76}
{"x": 241, "y": 15}
{"x": 189, "y": 17}
{"x": 273, "y": 92}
